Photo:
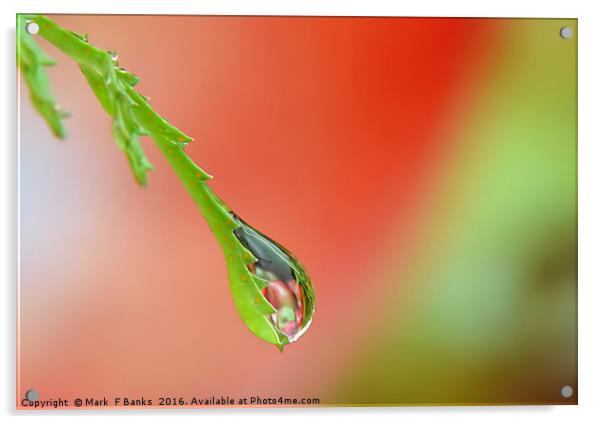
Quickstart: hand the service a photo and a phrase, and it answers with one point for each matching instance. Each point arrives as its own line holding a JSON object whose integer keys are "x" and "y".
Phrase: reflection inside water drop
{"x": 288, "y": 288}
{"x": 286, "y": 297}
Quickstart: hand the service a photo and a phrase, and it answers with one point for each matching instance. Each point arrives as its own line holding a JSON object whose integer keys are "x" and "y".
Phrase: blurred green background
{"x": 495, "y": 318}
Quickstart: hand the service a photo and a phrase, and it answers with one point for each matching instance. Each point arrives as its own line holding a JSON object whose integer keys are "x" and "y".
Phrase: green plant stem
{"x": 132, "y": 117}
{"x": 213, "y": 209}
{"x": 245, "y": 286}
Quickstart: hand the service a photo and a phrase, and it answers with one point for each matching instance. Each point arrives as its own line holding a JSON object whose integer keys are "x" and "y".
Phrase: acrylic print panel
{"x": 391, "y": 218}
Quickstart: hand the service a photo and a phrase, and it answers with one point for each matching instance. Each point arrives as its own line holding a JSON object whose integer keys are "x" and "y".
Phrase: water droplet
{"x": 288, "y": 287}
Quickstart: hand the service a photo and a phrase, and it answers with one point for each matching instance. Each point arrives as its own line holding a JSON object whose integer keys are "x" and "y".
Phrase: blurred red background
{"x": 324, "y": 133}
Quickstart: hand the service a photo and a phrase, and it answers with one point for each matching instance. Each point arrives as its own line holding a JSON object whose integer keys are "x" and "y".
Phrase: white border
{"x": 590, "y": 206}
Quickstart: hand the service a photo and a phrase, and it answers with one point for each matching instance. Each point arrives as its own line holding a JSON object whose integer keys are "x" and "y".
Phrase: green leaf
{"x": 133, "y": 117}
{"x": 32, "y": 61}
{"x": 108, "y": 82}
